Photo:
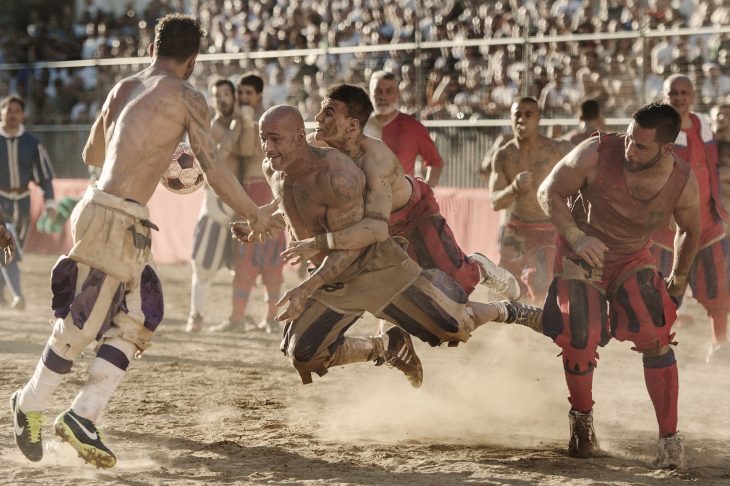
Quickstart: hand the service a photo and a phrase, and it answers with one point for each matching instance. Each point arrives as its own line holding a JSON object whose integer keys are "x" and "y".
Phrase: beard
{"x": 628, "y": 165}
{"x": 386, "y": 110}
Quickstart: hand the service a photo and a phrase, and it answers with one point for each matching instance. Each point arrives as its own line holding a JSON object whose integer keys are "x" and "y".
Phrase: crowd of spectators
{"x": 447, "y": 83}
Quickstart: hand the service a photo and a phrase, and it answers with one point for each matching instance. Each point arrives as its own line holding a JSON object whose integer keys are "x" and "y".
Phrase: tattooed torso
{"x": 328, "y": 196}
{"x": 145, "y": 117}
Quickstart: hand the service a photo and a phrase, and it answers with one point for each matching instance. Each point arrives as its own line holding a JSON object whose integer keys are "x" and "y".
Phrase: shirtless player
{"x": 395, "y": 204}
{"x": 211, "y": 241}
{"x": 321, "y": 190}
{"x": 527, "y": 243}
{"x": 106, "y": 288}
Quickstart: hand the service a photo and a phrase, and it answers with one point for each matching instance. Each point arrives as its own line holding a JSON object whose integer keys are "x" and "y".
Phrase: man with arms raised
{"x": 527, "y": 242}
{"x": 395, "y": 204}
{"x": 623, "y": 187}
{"x": 321, "y": 191}
{"x": 106, "y": 288}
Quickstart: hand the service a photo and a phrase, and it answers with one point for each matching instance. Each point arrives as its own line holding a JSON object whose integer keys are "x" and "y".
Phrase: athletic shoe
{"x": 27, "y": 430}
{"x": 195, "y": 323}
{"x": 719, "y": 354}
{"x": 583, "y": 442}
{"x": 83, "y": 436}
{"x": 230, "y": 325}
{"x": 497, "y": 278}
{"x": 268, "y": 325}
{"x": 18, "y": 304}
{"x": 670, "y": 453}
{"x": 402, "y": 356}
{"x": 524, "y": 315}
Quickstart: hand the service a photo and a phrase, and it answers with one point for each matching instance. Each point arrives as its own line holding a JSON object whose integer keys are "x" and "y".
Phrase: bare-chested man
{"x": 322, "y": 191}
{"x": 212, "y": 242}
{"x": 255, "y": 258}
{"x": 106, "y": 288}
{"x": 527, "y": 242}
{"x": 395, "y": 204}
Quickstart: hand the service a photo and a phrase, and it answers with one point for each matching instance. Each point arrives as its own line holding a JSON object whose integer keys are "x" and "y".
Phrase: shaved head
{"x": 283, "y": 114}
{"x": 283, "y": 139}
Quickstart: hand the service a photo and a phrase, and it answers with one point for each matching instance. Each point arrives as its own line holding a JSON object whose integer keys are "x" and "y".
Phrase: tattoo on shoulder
{"x": 347, "y": 184}
{"x": 199, "y": 125}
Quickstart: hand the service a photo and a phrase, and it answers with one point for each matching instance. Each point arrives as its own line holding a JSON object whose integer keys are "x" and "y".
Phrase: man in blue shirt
{"x": 22, "y": 159}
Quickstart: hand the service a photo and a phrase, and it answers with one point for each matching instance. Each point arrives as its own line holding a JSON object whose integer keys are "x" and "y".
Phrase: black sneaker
{"x": 83, "y": 436}
{"x": 402, "y": 356}
{"x": 583, "y": 442}
{"x": 524, "y": 315}
{"x": 27, "y": 430}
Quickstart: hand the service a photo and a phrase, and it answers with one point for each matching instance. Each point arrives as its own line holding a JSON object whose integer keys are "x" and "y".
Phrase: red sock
{"x": 239, "y": 309}
{"x": 662, "y": 382}
{"x": 719, "y": 325}
{"x": 581, "y": 391}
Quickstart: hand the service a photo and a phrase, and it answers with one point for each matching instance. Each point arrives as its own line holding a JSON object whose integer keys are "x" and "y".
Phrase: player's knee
{"x": 202, "y": 275}
{"x": 67, "y": 341}
{"x": 660, "y": 358}
{"x": 305, "y": 359}
{"x": 117, "y": 351}
{"x": 579, "y": 362}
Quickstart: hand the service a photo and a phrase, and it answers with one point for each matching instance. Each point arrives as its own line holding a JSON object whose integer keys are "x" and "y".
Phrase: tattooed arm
{"x": 370, "y": 229}
{"x": 566, "y": 179}
{"x": 343, "y": 187}
{"x": 212, "y": 160}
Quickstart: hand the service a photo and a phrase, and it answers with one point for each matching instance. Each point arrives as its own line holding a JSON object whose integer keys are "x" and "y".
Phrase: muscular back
{"x": 509, "y": 161}
{"x": 143, "y": 119}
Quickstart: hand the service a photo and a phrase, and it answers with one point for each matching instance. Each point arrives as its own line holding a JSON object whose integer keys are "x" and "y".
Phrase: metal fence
{"x": 463, "y": 139}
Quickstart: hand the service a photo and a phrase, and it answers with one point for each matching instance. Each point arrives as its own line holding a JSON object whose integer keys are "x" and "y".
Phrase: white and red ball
{"x": 184, "y": 174}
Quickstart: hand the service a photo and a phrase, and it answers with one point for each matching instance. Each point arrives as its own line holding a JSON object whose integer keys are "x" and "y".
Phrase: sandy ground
{"x": 227, "y": 408}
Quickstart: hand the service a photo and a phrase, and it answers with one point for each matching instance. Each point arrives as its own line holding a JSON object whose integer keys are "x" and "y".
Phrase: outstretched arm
{"x": 344, "y": 192}
{"x": 566, "y": 178}
{"x": 212, "y": 161}
{"x": 370, "y": 229}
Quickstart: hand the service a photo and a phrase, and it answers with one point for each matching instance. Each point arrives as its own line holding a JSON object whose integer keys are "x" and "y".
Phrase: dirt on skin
{"x": 227, "y": 408}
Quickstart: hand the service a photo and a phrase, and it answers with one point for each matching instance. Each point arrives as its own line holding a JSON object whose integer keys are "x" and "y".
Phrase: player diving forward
{"x": 320, "y": 191}
{"x": 395, "y": 204}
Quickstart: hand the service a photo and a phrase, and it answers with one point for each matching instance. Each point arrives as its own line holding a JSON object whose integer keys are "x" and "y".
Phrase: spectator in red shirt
{"x": 709, "y": 274}
{"x": 402, "y": 133}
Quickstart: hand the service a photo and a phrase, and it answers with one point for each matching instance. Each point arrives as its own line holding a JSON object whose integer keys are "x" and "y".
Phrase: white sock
{"x": 38, "y": 390}
{"x": 104, "y": 378}
{"x": 501, "y": 310}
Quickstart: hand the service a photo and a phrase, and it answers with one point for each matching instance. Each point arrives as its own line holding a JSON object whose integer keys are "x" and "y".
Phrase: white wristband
{"x": 331, "y": 241}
